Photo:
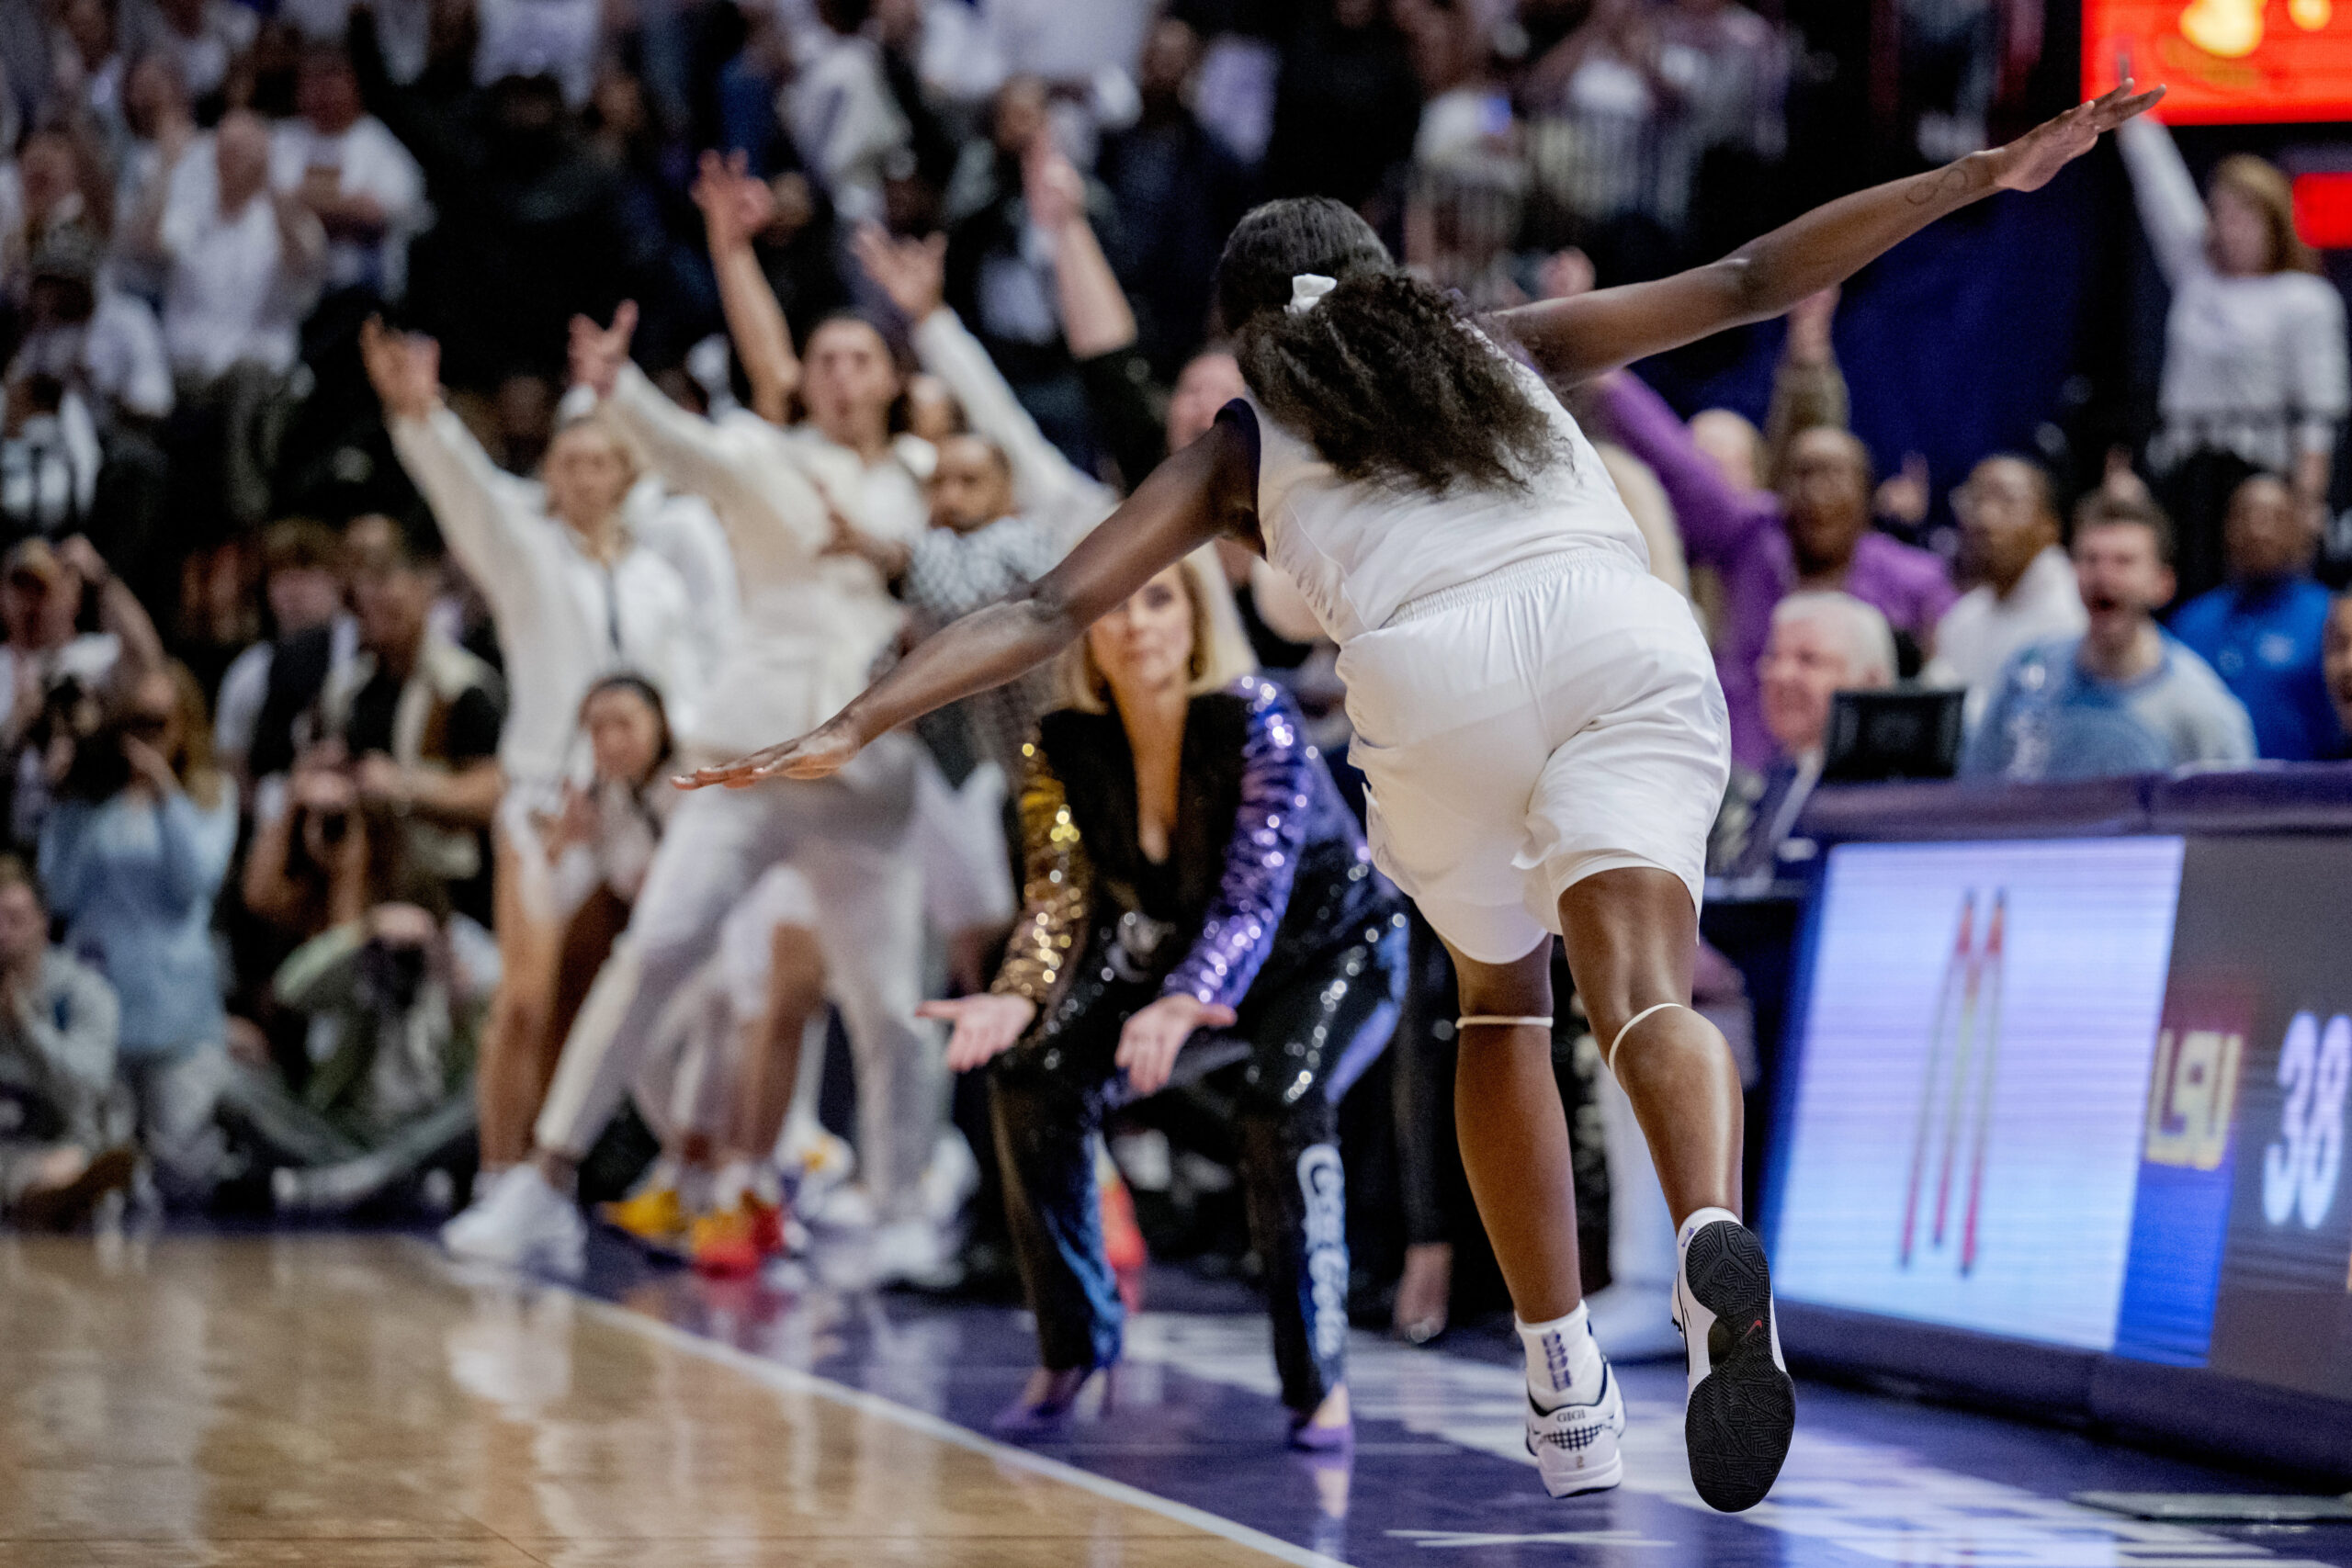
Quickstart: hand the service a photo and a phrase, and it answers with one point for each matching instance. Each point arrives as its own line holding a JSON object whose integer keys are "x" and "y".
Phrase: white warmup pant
{"x": 847, "y": 837}
{"x": 684, "y": 1082}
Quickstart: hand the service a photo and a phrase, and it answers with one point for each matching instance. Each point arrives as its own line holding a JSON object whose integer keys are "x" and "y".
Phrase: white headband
{"x": 1306, "y": 291}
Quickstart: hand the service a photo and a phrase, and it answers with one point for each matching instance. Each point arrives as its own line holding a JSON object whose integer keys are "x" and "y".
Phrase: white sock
{"x": 734, "y": 1180}
{"x": 1563, "y": 1365}
{"x": 1698, "y": 1220}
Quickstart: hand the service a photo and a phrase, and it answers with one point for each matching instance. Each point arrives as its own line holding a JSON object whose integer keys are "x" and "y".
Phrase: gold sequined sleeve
{"x": 1054, "y": 886}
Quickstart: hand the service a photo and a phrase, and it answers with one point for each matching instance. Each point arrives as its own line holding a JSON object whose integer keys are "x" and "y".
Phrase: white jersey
{"x": 813, "y": 623}
{"x": 1358, "y": 551}
{"x": 563, "y": 618}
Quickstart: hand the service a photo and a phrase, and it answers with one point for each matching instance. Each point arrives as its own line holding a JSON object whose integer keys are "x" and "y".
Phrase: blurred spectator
{"x": 1947, "y": 68}
{"x": 1821, "y": 644}
{"x": 59, "y": 1154}
{"x": 49, "y": 457}
{"x": 2125, "y": 697}
{"x": 1346, "y": 104}
{"x": 315, "y": 861}
{"x": 241, "y": 266}
{"x": 2025, "y": 590}
{"x": 402, "y": 27}
{"x": 1730, "y": 440}
{"x": 2254, "y": 372}
{"x": 419, "y": 718}
{"x": 557, "y": 41}
{"x": 1178, "y": 190}
{"x": 302, "y": 588}
{"x": 1001, "y": 264}
{"x": 1815, "y": 534}
{"x": 102, "y": 344}
{"x": 1005, "y": 504}
{"x": 159, "y": 122}
{"x": 88, "y": 81}
{"x": 2335, "y": 665}
{"x": 396, "y": 1001}
{"x": 52, "y": 676}
{"x": 132, "y": 855}
{"x": 201, "y": 37}
{"x": 1731, "y": 70}
{"x": 54, "y": 189}
{"x": 2262, "y": 631}
{"x": 1465, "y": 116}
{"x": 604, "y": 836}
{"x": 843, "y": 118}
{"x": 356, "y": 179}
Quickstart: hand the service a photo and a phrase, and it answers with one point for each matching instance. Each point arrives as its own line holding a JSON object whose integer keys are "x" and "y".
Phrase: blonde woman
{"x": 1191, "y": 867}
{"x": 2253, "y": 376}
{"x": 575, "y": 598}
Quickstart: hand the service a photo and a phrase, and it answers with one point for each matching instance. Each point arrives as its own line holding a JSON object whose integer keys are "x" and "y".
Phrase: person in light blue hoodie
{"x": 132, "y": 857}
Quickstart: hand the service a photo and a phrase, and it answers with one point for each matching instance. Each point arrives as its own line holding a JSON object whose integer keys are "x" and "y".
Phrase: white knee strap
{"x": 1495, "y": 1021}
{"x": 1611, "y": 1060}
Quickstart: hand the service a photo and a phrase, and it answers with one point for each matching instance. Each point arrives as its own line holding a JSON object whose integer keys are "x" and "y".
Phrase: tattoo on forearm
{"x": 1938, "y": 185}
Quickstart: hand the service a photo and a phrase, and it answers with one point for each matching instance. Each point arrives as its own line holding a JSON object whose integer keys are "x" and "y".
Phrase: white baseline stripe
{"x": 793, "y": 1381}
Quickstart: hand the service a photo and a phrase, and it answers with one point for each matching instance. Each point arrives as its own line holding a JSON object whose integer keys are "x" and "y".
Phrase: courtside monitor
{"x": 1876, "y": 736}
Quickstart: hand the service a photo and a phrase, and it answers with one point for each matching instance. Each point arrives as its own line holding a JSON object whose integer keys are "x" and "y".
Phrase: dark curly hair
{"x": 1387, "y": 377}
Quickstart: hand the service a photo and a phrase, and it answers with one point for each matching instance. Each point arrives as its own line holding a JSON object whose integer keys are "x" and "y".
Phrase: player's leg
{"x": 1514, "y": 1137}
{"x": 1632, "y": 935}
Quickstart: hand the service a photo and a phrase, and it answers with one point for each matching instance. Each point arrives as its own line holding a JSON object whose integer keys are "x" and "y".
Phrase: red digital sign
{"x": 2226, "y": 62}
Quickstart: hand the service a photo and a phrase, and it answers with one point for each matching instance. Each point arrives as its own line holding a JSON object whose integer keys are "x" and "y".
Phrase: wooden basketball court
{"x": 354, "y": 1401}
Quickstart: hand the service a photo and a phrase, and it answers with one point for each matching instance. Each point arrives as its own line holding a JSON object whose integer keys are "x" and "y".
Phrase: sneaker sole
{"x": 1608, "y": 1478}
{"x": 1743, "y": 1412}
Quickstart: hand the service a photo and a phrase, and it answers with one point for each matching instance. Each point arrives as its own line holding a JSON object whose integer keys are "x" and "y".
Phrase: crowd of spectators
{"x": 263, "y": 727}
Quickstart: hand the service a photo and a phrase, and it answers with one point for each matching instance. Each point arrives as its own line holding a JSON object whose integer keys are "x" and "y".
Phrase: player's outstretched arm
{"x": 1579, "y": 338}
{"x": 1207, "y": 488}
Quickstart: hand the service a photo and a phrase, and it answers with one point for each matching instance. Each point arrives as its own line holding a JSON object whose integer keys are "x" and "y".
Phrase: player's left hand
{"x": 2031, "y": 161}
{"x": 820, "y": 753}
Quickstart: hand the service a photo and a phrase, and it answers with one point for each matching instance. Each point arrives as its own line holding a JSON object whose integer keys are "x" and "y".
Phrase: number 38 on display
{"x": 2300, "y": 1169}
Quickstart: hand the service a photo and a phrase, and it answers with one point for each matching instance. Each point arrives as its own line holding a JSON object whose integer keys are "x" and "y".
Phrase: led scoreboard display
{"x": 2226, "y": 62}
{"x": 2092, "y": 1093}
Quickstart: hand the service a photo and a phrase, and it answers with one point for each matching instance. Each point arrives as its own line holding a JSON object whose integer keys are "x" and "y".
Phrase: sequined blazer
{"x": 1268, "y": 867}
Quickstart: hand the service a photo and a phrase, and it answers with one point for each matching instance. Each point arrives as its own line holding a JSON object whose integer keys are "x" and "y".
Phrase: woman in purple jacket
{"x": 1191, "y": 866}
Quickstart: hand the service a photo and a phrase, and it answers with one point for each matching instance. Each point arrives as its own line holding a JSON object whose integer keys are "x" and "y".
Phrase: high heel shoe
{"x": 1048, "y": 1406}
{"x": 1312, "y": 1436}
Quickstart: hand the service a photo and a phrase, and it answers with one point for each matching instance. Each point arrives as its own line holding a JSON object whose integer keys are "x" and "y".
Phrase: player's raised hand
{"x": 2029, "y": 161}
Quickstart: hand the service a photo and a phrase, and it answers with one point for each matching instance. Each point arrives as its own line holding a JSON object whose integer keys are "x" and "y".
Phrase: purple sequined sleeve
{"x": 1261, "y": 858}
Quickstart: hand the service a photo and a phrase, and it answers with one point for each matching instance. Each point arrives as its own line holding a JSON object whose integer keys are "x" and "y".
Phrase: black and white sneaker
{"x": 1576, "y": 1447}
{"x": 1743, "y": 1406}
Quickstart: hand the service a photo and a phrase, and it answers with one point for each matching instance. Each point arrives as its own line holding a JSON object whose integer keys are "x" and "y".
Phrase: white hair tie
{"x": 1306, "y": 291}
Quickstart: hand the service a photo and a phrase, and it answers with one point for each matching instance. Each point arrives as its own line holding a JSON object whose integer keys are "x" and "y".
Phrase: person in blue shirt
{"x": 132, "y": 857}
{"x": 2122, "y": 698}
{"x": 2261, "y": 630}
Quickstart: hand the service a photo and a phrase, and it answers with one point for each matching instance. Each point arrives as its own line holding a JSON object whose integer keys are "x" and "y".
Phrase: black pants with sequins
{"x": 1306, "y": 1032}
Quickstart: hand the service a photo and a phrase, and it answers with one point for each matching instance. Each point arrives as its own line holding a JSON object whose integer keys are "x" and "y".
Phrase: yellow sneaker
{"x": 654, "y": 1218}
